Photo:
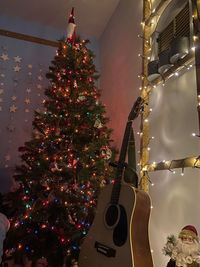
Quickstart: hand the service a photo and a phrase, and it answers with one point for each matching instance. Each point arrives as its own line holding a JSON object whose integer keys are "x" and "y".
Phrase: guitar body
{"x": 127, "y": 244}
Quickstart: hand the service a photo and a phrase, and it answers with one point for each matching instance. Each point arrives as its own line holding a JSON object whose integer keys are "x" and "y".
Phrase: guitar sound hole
{"x": 112, "y": 215}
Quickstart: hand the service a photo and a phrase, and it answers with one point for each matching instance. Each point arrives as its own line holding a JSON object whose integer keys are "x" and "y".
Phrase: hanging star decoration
{"x": 17, "y": 59}
{"x": 28, "y": 90}
{"x": 30, "y": 66}
{"x": 17, "y": 68}
{"x": 26, "y": 110}
{"x": 14, "y": 97}
{"x": 13, "y": 108}
{"x": 39, "y": 86}
{"x": 27, "y": 101}
{"x": 1, "y": 91}
{"x": 4, "y": 57}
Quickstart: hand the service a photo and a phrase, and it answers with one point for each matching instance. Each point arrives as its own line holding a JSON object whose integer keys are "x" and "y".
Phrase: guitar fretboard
{"x": 120, "y": 166}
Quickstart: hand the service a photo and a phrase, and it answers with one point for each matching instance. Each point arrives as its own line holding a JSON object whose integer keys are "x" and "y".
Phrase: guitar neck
{"x": 120, "y": 166}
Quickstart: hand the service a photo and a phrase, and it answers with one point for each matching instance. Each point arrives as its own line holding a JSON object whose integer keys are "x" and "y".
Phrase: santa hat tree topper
{"x": 71, "y": 34}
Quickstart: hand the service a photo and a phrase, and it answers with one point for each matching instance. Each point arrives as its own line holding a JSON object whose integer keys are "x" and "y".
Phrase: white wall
{"x": 175, "y": 198}
{"x": 120, "y": 64}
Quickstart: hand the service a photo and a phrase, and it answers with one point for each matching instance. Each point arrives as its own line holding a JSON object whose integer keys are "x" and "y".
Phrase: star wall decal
{"x": 30, "y": 66}
{"x": 14, "y": 97}
{"x": 39, "y": 86}
{"x": 13, "y": 108}
{"x": 26, "y": 110}
{"x": 28, "y": 90}
{"x": 29, "y": 73}
{"x": 17, "y": 59}
{"x": 1, "y": 91}
{"x": 17, "y": 68}
{"x": 27, "y": 101}
{"x": 4, "y": 57}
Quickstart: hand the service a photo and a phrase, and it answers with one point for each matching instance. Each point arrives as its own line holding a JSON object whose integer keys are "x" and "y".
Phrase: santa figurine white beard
{"x": 185, "y": 252}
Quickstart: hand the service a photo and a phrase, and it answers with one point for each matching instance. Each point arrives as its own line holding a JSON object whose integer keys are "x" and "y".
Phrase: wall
{"x": 26, "y": 84}
{"x": 120, "y": 64}
{"x": 174, "y": 197}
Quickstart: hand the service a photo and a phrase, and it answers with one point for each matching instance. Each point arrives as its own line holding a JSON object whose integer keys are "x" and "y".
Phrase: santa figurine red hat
{"x": 71, "y": 34}
{"x": 184, "y": 251}
{"x": 189, "y": 230}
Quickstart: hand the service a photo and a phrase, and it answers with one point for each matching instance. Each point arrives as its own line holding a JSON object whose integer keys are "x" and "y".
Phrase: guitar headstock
{"x": 137, "y": 107}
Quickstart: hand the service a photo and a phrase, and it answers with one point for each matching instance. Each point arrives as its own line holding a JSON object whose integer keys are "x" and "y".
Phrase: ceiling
{"x": 91, "y": 16}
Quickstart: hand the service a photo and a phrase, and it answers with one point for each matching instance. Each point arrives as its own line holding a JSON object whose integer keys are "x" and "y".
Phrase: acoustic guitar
{"x": 119, "y": 236}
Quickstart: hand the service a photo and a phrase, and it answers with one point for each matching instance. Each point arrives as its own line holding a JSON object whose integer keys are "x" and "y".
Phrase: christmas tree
{"x": 65, "y": 164}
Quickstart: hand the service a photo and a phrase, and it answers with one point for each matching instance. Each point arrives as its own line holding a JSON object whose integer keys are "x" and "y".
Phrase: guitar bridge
{"x": 105, "y": 250}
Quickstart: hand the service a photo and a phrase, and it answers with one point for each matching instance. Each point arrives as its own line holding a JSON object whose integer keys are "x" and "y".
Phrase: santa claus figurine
{"x": 184, "y": 250}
